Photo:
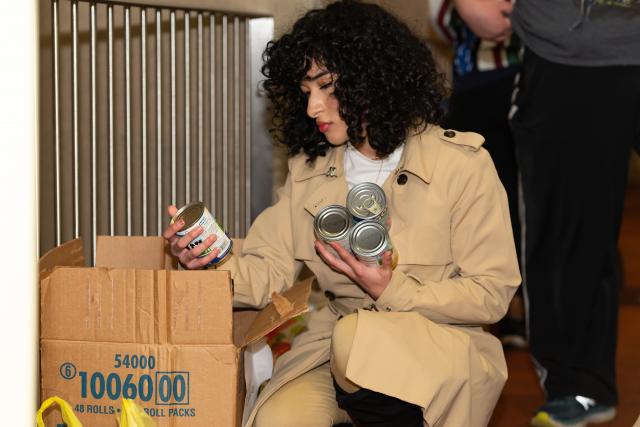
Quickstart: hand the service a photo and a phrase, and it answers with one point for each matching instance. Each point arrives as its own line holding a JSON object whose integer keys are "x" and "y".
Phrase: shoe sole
{"x": 513, "y": 341}
{"x": 543, "y": 419}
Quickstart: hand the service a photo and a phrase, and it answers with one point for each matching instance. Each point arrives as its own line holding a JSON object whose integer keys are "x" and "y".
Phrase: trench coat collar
{"x": 331, "y": 165}
{"x": 329, "y": 168}
{"x": 418, "y": 157}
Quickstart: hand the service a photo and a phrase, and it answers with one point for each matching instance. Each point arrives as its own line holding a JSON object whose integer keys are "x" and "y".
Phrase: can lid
{"x": 369, "y": 238}
{"x": 191, "y": 213}
{"x": 332, "y": 222}
{"x": 366, "y": 200}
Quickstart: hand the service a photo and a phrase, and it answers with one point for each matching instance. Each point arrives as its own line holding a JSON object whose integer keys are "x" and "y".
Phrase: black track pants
{"x": 574, "y": 128}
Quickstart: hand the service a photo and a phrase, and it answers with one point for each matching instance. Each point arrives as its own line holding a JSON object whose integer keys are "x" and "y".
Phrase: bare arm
{"x": 488, "y": 19}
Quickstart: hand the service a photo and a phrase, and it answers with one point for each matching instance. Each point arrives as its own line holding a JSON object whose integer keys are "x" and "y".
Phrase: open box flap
{"x": 69, "y": 254}
{"x": 291, "y": 303}
{"x": 142, "y": 252}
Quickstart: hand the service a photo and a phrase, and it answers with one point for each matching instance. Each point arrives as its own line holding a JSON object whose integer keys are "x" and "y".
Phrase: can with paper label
{"x": 195, "y": 215}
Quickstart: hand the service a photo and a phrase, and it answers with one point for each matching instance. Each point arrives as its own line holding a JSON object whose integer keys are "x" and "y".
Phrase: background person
{"x": 484, "y": 67}
{"x": 575, "y": 117}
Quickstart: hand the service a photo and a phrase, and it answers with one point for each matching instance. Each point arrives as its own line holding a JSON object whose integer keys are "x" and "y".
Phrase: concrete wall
{"x": 20, "y": 302}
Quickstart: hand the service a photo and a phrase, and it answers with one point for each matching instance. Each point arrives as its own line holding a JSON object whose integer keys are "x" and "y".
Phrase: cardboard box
{"x": 134, "y": 326}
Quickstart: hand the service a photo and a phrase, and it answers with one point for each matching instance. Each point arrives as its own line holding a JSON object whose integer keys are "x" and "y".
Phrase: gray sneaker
{"x": 572, "y": 411}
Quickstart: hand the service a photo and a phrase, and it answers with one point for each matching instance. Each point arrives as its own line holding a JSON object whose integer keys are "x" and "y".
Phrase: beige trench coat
{"x": 421, "y": 341}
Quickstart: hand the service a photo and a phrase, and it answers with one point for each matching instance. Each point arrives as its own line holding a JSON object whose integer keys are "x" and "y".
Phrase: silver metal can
{"x": 196, "y": 214}
{"x": 332, "y": 224}
{"x": 367, "y": 201}
{"x": 369, "y": 240}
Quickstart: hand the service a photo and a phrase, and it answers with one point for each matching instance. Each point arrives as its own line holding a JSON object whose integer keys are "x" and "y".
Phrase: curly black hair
{"x": 386, "y": 78}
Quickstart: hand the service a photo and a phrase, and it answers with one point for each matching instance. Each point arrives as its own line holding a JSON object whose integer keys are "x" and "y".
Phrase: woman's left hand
{"x": 372, "y": 279}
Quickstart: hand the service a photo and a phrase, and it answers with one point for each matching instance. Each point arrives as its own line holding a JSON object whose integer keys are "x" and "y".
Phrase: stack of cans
{"x": 361, "y": 227}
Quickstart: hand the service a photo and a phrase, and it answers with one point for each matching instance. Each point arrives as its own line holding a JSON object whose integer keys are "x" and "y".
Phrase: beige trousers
{"x": 310, "y": 400}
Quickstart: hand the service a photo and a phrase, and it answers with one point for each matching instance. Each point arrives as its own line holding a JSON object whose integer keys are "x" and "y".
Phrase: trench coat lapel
{"x": 333, "y": 188}
{"x": 418, "y": 158}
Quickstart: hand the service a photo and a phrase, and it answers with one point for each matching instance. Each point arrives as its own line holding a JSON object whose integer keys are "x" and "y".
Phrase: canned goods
{"x": 366, "y": 201}
{"x": 369, "y": 240}
{"x": 196, "y": 214}
{"x": 332, "y": 224}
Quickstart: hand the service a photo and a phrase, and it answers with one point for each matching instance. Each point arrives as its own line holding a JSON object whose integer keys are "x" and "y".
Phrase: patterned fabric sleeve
{"x": 471, "y": 53}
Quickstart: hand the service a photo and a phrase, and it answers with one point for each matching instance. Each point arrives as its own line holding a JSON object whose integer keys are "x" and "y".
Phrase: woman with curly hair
{"x": 356, "y": 98}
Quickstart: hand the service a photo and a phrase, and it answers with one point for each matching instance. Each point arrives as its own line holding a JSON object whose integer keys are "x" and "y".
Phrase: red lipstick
{"x": 323, "y": 126}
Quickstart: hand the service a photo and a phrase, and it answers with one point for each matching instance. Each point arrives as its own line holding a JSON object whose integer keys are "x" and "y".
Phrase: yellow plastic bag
{"x": 133, "y": 415}
{"x": 68, "y": 416}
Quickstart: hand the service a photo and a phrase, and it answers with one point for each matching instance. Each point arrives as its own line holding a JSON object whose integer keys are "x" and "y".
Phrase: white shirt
{"x": 359, "y": 168}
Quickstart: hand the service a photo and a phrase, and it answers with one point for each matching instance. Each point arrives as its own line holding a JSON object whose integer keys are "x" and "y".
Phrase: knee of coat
{"x": 284, "y": 413}
{"x": 341, "y": 342}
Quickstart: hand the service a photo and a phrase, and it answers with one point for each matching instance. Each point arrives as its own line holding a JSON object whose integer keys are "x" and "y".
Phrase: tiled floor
{"x": 522, "y": 395}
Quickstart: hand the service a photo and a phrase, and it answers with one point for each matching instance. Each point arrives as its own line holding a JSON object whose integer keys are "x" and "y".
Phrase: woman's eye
{"x": 326, "y": 85}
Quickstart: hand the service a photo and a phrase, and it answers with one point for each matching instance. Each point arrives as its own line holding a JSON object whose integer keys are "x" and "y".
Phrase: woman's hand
{"x": 372, "y": 279}
{"x": 179, "y": 245}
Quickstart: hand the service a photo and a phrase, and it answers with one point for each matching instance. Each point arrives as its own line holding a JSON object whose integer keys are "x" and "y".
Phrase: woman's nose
{"x": 314, "y": 105}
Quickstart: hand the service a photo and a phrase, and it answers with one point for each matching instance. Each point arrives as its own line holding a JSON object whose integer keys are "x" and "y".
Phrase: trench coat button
{"x": 402, "y": 179}
{"x": 387, "y": 308}
{"x": 449, "y": 133}
{"x": 330, "y": 295}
